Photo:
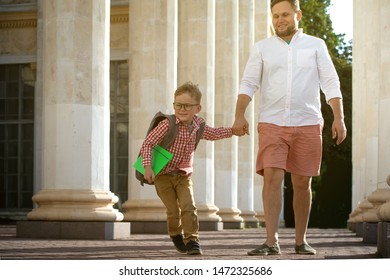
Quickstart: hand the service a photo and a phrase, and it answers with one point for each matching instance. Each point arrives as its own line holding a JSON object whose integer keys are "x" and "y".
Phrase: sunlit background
{"x": 342, "y": 15}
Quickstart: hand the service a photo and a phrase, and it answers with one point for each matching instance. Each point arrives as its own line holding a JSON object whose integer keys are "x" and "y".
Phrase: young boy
{"x": 173, "y": 184}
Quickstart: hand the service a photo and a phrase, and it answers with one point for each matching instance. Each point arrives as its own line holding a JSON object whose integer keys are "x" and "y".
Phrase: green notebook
{"x": 160, "y": 158}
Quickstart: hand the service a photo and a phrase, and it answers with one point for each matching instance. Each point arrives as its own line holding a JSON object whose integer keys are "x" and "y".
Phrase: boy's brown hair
{"x": 190, "y": 88}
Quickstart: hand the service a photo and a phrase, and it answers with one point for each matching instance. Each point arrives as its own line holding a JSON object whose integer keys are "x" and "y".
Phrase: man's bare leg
{"x": 272, "y": 202}
{"x": 301, "y": 205}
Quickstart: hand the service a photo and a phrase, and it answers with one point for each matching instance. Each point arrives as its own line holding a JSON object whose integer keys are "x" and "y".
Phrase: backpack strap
{"x": 172, "y": 132}
{"x": 158, "y": 117}
{"x": 199, "y": 134}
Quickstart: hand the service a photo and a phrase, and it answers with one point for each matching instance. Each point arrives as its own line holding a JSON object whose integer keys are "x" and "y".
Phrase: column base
{"x": 210, "y": 226}
{"x": 359, "y": 229}
{"x": 370, "y": 233}
{"x": 261, "y": 218}
{"x": 250, "y": 221}
{"x": 208, "y": 213}
{"x": 252, "y": 224}
{"x": 233, "y": 225}
{"x": 383, "y": 244}
{"x": 155, "y": 227}
{"x": 75, "y": 205}
{"x": 231, "y": 218}
{"x": 73, "y": 230}
{"x": 144, "y": 210}
{"x": 161, "y": 227}
{"x": 351, "y": 226}
{"x": 209, "y": 220}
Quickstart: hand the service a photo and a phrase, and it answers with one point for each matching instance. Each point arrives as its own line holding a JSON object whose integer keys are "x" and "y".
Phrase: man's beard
{"x": 289, "y": 31}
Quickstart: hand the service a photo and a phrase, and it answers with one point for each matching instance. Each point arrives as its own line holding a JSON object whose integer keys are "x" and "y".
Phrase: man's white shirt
{"x": 289, "y": 78}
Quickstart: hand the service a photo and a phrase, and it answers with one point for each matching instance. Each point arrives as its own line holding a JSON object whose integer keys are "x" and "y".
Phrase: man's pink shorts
{"x": 296, "y": 149}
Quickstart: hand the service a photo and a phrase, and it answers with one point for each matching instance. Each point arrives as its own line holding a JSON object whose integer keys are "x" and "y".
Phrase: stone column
{"x": 371, "y": 150}
{"x": 38, "y": 109}
{"x": 365, "y": 115}
{"x": 383, "y": 190}
{"x": 196, "y": 63}
{"x": 246, "y": 149}
{"x": 226, "y": 86}
{"x": 360, "y": 107}
{"x": 367, "y": 85}
{"x": 384, "y": 94}
{"x": 75, "y": 129}
{"x": 152, "y": 83}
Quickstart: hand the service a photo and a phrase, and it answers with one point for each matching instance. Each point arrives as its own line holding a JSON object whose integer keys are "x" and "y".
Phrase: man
{"x": 289, "y": 69}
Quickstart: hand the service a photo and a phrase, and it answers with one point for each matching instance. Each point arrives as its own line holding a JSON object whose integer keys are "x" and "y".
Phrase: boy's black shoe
{"x": 193, "y": 248}
{"x": 179, "y": 244}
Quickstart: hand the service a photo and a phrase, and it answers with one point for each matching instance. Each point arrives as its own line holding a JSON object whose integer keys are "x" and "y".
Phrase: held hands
{"x": 149, "y": 174}
{"x": 240, "y": 126}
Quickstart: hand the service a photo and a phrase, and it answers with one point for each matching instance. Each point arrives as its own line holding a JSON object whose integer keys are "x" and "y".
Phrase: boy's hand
{"x": 238, "y": 132}
{"x": 149, "y": 174}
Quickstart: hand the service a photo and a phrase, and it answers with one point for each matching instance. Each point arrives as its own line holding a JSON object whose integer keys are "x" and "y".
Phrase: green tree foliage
{"x": 332, "y": 189}
{"x": 316, "y": 21}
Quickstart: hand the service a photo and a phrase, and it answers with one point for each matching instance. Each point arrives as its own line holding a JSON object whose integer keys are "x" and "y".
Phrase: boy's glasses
{"x": 186, "y": 107}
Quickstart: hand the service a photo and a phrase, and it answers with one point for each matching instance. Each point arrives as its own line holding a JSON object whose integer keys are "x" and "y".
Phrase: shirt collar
{"x": 195, "y": 122}
{"x": 297, "y": 35}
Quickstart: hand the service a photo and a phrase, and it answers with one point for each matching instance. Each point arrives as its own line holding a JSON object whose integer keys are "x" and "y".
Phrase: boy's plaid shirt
{"x": 184, "y": 145}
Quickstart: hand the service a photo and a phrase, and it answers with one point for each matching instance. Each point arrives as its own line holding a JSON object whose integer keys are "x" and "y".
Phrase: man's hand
{"x": 339, "y": 131}
{"x": 240, "y": 126}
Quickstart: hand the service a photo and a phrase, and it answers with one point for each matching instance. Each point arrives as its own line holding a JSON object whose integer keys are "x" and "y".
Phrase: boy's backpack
{"x": 169, "y": 138}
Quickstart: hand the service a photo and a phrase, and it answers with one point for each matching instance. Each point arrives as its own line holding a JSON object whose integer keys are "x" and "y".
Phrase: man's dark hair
{"x": 294, "y": 3}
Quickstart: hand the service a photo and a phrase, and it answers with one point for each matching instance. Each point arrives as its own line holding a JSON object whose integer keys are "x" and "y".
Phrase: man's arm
{"x": 339, "y": 130}
{"x": 241, "y": 125}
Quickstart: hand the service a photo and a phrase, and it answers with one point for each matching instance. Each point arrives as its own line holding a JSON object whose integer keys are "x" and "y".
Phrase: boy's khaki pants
{"x": 175, "y": 191}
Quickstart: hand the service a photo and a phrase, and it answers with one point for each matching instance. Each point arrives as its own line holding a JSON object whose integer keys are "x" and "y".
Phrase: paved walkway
{"x": 220, "y": 245}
